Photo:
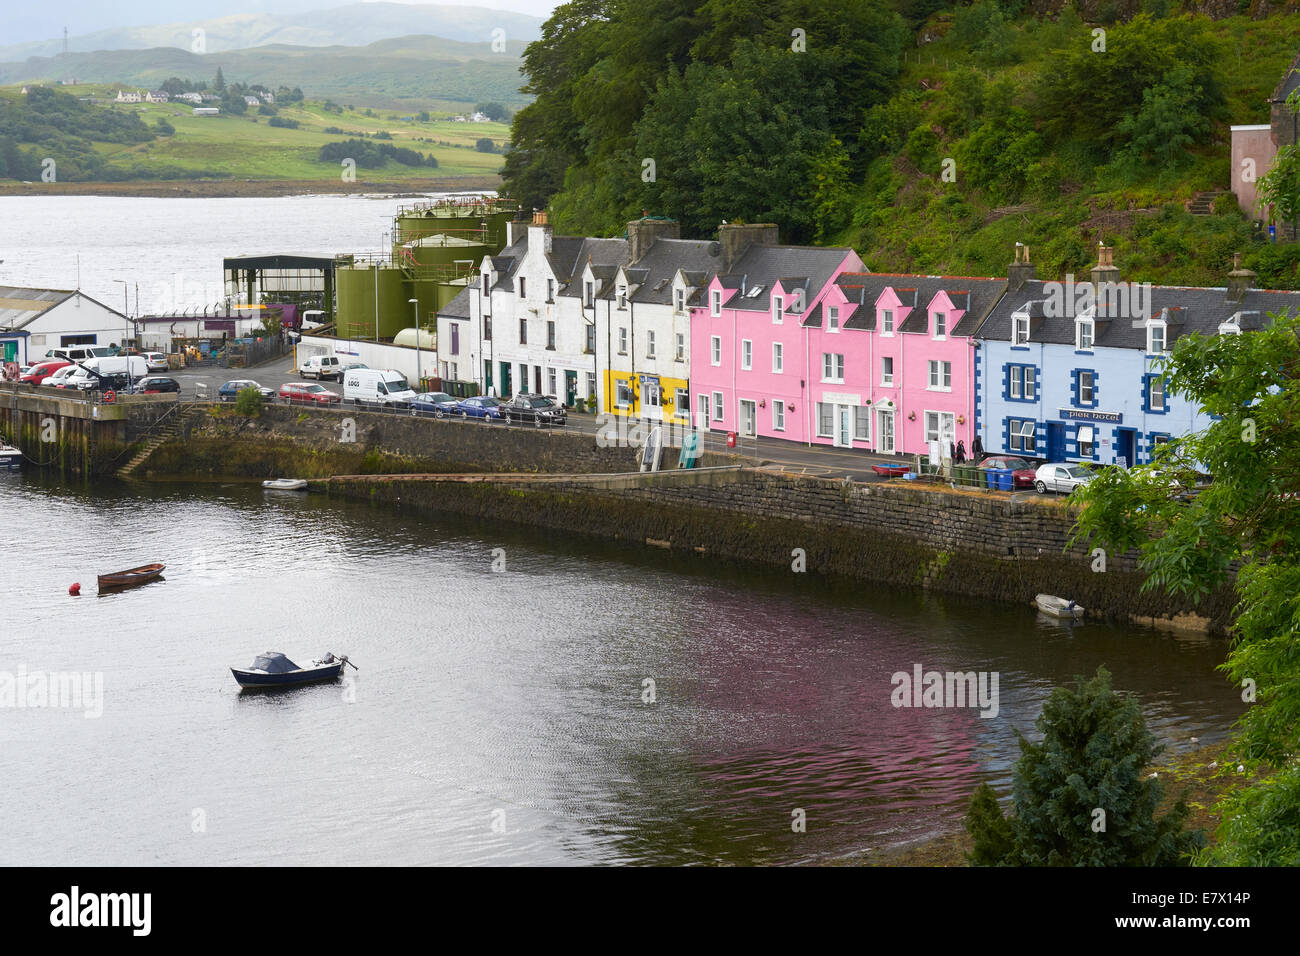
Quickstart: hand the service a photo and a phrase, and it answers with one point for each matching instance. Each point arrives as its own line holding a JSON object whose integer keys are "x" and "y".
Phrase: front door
{"x": 537, "y": 379}
{"x": 1055, "y": 441}
{"x": 1126, "y": 448}
{"x": 748, "y": 417}
{"x": 570, "y": 387}
{"x": 702, "y": 411}
{"x": 843, "y": 425}
{"x": 651, "y": 400}
{"x": 885, "y": 432}
{"x": 505, "y": 381}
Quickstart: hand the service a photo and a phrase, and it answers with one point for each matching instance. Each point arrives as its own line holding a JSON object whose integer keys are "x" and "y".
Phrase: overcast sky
{"x": 21, "y": 21}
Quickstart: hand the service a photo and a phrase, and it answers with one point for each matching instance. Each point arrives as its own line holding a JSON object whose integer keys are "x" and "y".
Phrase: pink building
{"x": 750, "y": 370}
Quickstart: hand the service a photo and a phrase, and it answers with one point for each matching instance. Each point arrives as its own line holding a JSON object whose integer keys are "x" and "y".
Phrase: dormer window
{"x": 622, "y": 297}
{"x": 1020, "y": 333}
{"x": 940, "y": 325}
{"x": 486, "y": 281}
{"x": 679, "y": 300}
{"x": 1083, "y": 334}
{"x": 833, "y": 318}
{"x": 589, "y": 294}
{"x": 715, "y": 302}
{"x": 778, "y": 309}
{"x": 1156, "y": 338}
{"x": 550, "y": 290}
{"x": 887, "y": 322}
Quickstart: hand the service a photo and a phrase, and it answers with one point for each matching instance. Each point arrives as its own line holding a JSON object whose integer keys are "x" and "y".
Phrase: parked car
{"x": 156, "y": 361}
{"x": 440, "y": 404}
{"x": 60, "y": 377}
{"x": 103, "y": 382}
{"x": 1062, "y": 476}
{"x": 43, "y": 370}
{"x": 229, "y": 391}
{"x": 156, "y": 384}
{"x": 377, "y": 387}
{"x": 480, "y": 406}
{"x": 322, "y": 366}
{"x": 1023, "y": 471}
{"x": 351, "y": 365}
{"x": 299, "y": 393}
{"x": 533, "y": 409}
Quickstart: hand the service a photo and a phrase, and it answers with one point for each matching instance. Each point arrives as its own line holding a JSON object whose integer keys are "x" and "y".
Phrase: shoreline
{"x": 254, "y": 188}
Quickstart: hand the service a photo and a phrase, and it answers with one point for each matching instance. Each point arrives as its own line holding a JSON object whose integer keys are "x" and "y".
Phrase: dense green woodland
{"x": 841, "y": 133}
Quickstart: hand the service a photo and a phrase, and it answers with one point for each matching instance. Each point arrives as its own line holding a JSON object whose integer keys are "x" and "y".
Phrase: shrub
{"x": 283, "y": 123}
{"x": 249, "y": 402}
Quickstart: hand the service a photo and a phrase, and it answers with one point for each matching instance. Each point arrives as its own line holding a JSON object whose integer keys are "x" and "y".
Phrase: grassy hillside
{"x": 929, "y": 136}
{"x": 249, "y": 147}
{"x": 412, "y": 72}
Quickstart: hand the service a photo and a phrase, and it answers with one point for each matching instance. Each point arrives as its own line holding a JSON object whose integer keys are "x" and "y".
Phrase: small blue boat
{"x": 273, "y": 670}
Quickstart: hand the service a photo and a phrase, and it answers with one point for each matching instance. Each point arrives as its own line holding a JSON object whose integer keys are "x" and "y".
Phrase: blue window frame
{"x": 1020, "y": 383}
{"x": 1155, "y": 397}
{"x": 1153, "y": 439}
{"x": 1084, "y": 387}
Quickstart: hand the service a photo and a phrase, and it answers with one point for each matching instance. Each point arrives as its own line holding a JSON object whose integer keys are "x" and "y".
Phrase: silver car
{"x": 1062, "y": 476}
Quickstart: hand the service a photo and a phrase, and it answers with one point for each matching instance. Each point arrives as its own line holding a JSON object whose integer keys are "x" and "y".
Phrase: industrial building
{"x": 33, "y": 321}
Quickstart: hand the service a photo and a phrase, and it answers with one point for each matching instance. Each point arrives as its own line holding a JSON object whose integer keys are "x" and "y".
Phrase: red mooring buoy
{"x": 74, "y": 590}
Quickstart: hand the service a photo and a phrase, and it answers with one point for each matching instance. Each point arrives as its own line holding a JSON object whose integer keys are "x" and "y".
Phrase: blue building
{"x": 1072, "y": 372}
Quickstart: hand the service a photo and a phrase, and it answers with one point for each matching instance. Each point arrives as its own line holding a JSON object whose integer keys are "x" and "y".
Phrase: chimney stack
{"x": 1105, "y": 271}
{"x": 539, "y": 232}
{"x": 1020, "y": 271}
{"x": 1240, "y": 280}
{"x": 736, "y": 238}
{"x": 645, "y": 232}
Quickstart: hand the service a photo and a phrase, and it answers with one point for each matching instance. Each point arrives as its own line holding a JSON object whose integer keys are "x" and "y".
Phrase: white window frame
{"x": 679, "y": 300}
{"x": 886, "y": 378}
{"x": 1152, "y": 382}
{"x": 1031, "y": 383}
{"x": 622, "y": 340}
{"x": 832, "y": 318}
{"x": 589, "y": 294}
{"x": 833, "y": 367}
{"x": 550, "y": 382}
{"x": 940, "y": 376}
{"x": 715, "y": 350}
{"x": 680, "y": 354}
{"x": 778, "y": 358}
{"x": 650, "y": 343}
{"x": 1020, "y": 329}
{"x": 1085, "y": 330}
{"x": 1091, "y": 400}
{"x": 1152, "y": 330}
{"x": 862, "y": 423}
{"x": 940, "y": 326}
{"x": 825, "y": 409}
{"x": 1015, "y": 380}
{"x": 715, "y": 302}
{"x": 778, "y": 415}
{"x": 778, "y": 310}
{"x": 746, "y": 354}
{"x": 887, "y": 322}
{"x": 622, "y": 297}
{"x": 622, "y": 394}
{"x": 719, "y": 410}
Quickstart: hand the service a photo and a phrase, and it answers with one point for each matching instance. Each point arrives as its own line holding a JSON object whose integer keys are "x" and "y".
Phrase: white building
{"x": 33, "y": 321}
{"x": 252, "y": 101}
{"x": 127, "y": 96}
{"x": 190, "y": 97}
{"x": 156, "y": 96}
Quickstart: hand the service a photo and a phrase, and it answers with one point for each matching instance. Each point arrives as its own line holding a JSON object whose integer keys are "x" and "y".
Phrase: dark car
{"x": 535, "y": 409}
{"x": 108, "y": 382}
{"x": 438, "y": 404}
{"x": 301, "y": 393}
{"x": 229, "y": 391}
{"x": 156, "y": 384}
{"x": 1023, "y": 471}
{"x": 480, "y": 406}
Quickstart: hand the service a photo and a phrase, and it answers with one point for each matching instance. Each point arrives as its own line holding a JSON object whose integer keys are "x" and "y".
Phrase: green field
{"x": 248, "y": 147}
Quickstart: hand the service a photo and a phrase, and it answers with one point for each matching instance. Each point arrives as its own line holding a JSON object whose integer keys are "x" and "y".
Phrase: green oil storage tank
{"x": 361, "y": 310}
{"x": 482, "y": 220}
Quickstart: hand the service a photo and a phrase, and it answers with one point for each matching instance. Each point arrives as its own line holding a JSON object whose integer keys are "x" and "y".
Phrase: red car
{"x": 1023, "y": 471}
{"x": 43, "y": 370}
{"x": 301, "y": 393}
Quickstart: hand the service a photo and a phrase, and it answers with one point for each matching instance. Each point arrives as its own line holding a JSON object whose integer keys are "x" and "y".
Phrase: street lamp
{"x": 415, "y": 307}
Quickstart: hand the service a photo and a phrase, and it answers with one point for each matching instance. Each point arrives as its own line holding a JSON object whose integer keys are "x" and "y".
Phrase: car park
{"x": 43, "y": 370}
{"x": 155, "y": 385}
{"x": 1061, "y": 476}
{"x": 438, "y": 404}
{"x": 229, "y": 391}
{"x": 480, "y": 406}
{"x": 322, "y": 366}
{"x": 530, "y": 409}
{"x": 60, "y": 377}
{"x": 1023, "y": 471}
{"x": 300, "y": 393}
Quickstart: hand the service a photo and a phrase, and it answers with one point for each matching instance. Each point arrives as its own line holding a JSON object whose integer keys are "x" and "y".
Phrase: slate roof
{"x": 974, "y": 296}
{"x": 765, "y": 265}
{"x": 651, "y": 276}
{"x": 457, "y": 308}
{"x": 1191, "y": 309}
{"x": 1290, "y": 82}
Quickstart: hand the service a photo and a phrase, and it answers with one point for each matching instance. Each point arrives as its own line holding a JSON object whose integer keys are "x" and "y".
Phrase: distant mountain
{"x": 406, "y": 71}
{"x": 356, "y": 24}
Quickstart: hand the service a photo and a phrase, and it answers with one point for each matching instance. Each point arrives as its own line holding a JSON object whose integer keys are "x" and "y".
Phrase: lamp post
{"x": 419, "y": 375}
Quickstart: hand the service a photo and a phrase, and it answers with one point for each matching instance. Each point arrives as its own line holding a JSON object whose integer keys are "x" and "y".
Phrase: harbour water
{"x": 498, "y": 716}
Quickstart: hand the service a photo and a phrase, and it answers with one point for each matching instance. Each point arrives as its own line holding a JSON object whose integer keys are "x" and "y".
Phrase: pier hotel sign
{"x": 1091, "y": 415}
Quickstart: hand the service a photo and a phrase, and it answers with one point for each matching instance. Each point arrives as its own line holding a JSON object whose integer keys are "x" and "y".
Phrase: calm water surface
{"x": 512, "y": 698}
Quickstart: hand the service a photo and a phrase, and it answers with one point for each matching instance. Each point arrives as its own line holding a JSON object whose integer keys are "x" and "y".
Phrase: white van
{"x": 78, "y": 353}
{"x": 377, "y": 387}
{"x": 133, "y": 365}
{"x": 321, "y": 366}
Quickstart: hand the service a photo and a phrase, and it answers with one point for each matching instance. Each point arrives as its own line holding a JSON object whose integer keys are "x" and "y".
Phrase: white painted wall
{"x": 379, "y": 355}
